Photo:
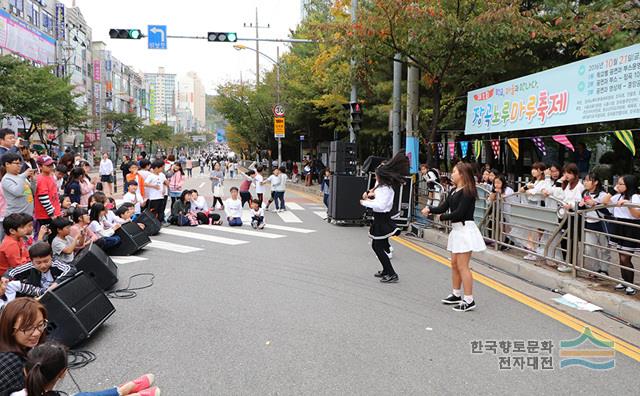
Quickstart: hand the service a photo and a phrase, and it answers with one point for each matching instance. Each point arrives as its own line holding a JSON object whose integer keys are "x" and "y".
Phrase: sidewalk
{"x": 596, "y": 292}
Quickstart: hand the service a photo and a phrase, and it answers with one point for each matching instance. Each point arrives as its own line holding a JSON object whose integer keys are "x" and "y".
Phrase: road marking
{"x": 201, "y": 185}
{"x": 621, "y": 346}
{"x": 172, "y": 247}
{"x": 293, "y": 206}
{"x": 321, "y": 213}
{"x": 240, "y": 231}
{"x": 285, "y": 228}
{"x": 202, "y": 237}
{"x": 127, "y": 259}
{"x": 289, "y": 217}
{"x": 246, "y": 216}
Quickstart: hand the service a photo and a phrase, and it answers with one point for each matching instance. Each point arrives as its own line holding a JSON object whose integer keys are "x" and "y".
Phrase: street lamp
{"x": 276, "y": 62}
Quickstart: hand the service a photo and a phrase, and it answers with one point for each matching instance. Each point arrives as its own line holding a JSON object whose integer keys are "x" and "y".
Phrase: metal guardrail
{"x": 539, "y": 225}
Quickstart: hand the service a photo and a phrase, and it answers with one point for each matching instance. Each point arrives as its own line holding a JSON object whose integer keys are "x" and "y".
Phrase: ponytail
{"x": 44, "y": 365}
{"x": 36, "y": 382}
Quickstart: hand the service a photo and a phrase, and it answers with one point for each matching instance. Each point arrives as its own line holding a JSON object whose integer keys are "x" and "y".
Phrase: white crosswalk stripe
{"x": 289, "y": 217}
{"x": 321, "y": 213}
{"x": 269, "y": 226}
{"x": 293, "y": 206}
{"x": 202, "y": 237}
{"x": 172, "y": 247}
{"x": 127, "y": 259}
{"x": 246, "y": 216}
{"x": 240, "y": 231}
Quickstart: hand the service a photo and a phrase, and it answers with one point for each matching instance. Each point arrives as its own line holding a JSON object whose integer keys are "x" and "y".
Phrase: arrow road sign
{"x": 157, "y": 36}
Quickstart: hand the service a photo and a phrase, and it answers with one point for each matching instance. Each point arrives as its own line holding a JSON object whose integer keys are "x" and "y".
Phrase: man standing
{"x": 47, "y": 204}
{"x": 17, "y": 187}
{"x": 124, "y": 167}
{"x": 9, "y": 143}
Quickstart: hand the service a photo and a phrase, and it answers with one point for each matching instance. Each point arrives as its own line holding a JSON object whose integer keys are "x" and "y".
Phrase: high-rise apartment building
{"x": 191, "y": 95}
{"x": 162, "y": 88}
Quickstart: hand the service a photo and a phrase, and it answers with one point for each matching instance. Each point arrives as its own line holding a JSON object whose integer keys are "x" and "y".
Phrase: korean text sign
{"x": 598, "y": 89}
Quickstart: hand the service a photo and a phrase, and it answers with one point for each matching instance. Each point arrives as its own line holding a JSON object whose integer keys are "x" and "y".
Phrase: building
{"x": 162, "y": 96}
{"x": 191, "y": 94}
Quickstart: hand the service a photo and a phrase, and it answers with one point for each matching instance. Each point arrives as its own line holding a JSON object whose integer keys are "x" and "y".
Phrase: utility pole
{"x": 258, "y": 27}
{"x": 397, "y": 104}
{"x": 354, "y": 89}
{"x": 413, "y": 104}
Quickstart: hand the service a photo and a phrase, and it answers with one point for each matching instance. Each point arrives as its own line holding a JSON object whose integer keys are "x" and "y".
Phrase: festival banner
{"x": 477, "y": 148}
{"x": 452, "y": 149}
{"x": 564, "y": 140}
{"x": 513, "y": 143}
{"x": 626, "y": 137}
{"x": 540, "y": 145}
{"x": 598, "y": 89}
{"x": 464, "y": 148}
{"x": 495, "y": 145}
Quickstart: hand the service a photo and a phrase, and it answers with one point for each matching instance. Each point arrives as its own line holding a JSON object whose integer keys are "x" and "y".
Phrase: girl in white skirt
{"x": 388, "y": 175}
{"x": 464, "y": 238}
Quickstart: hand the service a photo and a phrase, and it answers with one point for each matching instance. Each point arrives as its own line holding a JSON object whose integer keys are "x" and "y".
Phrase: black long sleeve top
{"x": 460, "y": 206}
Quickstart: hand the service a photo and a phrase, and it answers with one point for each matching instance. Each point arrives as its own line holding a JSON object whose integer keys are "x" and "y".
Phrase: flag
{"x": 452, "y": 149}
{"x": 495, "y": 145}
{"x": 477, "y": 148}
{"x": 540, "y": 145}
{"x": 440, "y": 151}
{"x": 563, "y": 140}
{"x": 464, "y": 148}
{"x": 626, "y": 137}
{"x": 513, "y": 143}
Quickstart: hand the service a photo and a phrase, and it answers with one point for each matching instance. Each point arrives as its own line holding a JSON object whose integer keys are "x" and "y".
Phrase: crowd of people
{"x": 612, "y": 226}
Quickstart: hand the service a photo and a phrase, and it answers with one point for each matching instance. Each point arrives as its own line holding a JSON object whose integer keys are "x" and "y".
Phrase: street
{"x": 295, "y": 309}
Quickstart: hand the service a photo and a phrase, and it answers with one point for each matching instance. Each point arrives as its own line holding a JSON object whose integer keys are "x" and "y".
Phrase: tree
{"x": 158, "y": 133}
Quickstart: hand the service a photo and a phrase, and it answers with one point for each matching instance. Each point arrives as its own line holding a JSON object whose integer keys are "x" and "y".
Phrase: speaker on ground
{"x": 132, "y": 237}
{"x": 94, "y": 262}
{"x": 152, "y": 225}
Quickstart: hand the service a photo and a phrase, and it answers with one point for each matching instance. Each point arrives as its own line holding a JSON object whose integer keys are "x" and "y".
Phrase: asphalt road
{"x": 301, "y": 313}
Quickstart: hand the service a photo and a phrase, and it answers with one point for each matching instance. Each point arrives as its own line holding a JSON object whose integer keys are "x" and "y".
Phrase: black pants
{"x": 218, "y": 199}
{"x": 260, "y": 198}
{"x": 381, "y": 247}
{"x": 204, "y": 219}
{"x": 245, "y": 196}
{"x": 156, "y": 207}
{"x": 164, "y": 205}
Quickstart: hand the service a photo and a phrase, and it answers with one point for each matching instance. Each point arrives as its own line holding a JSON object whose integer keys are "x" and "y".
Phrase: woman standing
{"x": 86, "y": 188}
{"x": 217, "y": 177}
{"x": 464, "y": 238}
{"x": 106, "y": 174}
{"x": 176, "y": 182}
{"x": 380, "y": 199}
{"x": 571, "y": 195}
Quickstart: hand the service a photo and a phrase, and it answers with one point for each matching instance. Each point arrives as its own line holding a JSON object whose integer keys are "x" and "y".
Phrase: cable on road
{"x": 78, "y": 359}
{"x": 129, "y": 292}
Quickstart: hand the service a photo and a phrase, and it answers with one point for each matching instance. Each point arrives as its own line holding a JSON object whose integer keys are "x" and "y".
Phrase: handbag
{"x": 183, "y": 220}
{"x": 217, "y": 191}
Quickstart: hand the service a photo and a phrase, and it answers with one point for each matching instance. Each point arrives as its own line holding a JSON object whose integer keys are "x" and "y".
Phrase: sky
{"x": 215, "y": 63}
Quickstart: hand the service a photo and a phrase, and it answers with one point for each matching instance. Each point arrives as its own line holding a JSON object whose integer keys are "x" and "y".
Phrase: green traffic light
{"x": 134, "y": 34}
{"x": 232, "y": 37}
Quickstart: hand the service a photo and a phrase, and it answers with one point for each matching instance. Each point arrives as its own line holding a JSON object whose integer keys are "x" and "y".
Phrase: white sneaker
{"x": 531, "y": 257}
{"x": 630, "y": 291}
{"x": 564, "y": 268}
{"x": 619, "y": 286}
{"x": 390, "y": 255}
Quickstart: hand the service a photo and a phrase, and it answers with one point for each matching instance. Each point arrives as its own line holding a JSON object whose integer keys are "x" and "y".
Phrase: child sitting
{"x": 98, "y": 226}
{"x": 233, "y": 208}
{"x": 9, "y": 290}
{"x": 257, "y": 215}
{"x": 13, "y": 251}
{"x": 126, "y": 212}
{"x": 42, "y": 271}
{"x": 64, "y": 245}
{"x": 66, "y": 206}
{"x": 200, "y": 207}
{"x": 133, "y": 196}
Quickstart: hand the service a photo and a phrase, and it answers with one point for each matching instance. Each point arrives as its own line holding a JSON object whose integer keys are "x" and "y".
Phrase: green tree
{"x": 156, "y": 133}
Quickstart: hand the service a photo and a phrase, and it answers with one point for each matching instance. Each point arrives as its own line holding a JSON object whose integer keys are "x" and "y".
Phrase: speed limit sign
{"x": 278, "y": 110}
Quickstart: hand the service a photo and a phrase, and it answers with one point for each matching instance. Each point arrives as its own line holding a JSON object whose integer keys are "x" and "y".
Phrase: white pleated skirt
{"x": 465, "y": 238}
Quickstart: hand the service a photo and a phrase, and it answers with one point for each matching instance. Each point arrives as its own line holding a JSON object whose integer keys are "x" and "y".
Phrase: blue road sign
{"x": 157, "y": 35}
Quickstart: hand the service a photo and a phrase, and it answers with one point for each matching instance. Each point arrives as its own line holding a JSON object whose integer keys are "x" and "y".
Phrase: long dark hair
{"x": 594, "y": 179}
{"x": 183, "y": 195}
{"x": 573, "y": 169}
{"x": 24, "y": 309}
{"x": 96, "y": 209}
{"x": 392, "y": 172}
{"x": 631, "y": 183}
{"x": 44, "y": 364}
{"x": 466, "y": 171}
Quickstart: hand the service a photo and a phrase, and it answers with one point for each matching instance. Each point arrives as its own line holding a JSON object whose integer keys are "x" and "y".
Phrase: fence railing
{"x": 589, "y": 242}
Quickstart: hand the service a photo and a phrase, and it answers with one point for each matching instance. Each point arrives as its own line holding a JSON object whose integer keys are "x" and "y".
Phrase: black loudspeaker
{"x": 75, "y": 309}
{"x": 346, "y": 192}
{"x": 132, "y": 238}
{"x": 95, "y": 263}
{"x": 152, "y": 225}
{"x": 402, "y": 200}
{"x": 343, "y": 157}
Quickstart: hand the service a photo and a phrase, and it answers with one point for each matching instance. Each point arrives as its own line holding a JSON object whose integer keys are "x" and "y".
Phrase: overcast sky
{"x": 214, "y": 62}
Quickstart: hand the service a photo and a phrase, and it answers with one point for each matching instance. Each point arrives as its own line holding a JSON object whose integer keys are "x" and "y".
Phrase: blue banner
{"x": 412, "y": 150}
{"x": 599, "y": 89}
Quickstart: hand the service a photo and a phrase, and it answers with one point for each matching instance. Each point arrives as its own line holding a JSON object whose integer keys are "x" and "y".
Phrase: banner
{"x": 18, "y": 37}
{"x": 599, "y": 89}
{"x": 477, "y": 148}
{"x": 563, "y": 140}
{"x": 452, "y": 149}
{"x": 626, "y": 137}
{"x": 540, "y": 145}
{"x": 464, "y": 148}
{"x": 96, "y": 71}
{"x": 412, "y": 150}
{"x": 515, "y": 147}
{"x": 495, "y": 145}
{"x": 60, "y": 22}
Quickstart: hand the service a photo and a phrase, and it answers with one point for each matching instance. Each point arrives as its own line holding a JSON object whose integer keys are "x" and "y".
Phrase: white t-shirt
{"x": 257, "y": 213}
{"x": 233, "y": 207}
{"x": 275, "y": 181}
{"x": 154, "y": 180}
{"x": 200, "y": 204}
{"x": 106, "y": 167}
{"x": 98, "y": 229}
{"x": 623, "y": 212}
{"x": 135, "y": 199}
{"x": 258, "y": 182}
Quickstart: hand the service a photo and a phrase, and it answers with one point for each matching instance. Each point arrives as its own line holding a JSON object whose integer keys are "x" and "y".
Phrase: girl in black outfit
{"x": 464, "y": 237}
{"x": 380, "y": 199}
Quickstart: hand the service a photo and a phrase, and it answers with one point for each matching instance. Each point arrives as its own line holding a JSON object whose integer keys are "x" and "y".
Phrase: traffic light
{"x": 356, "y": 115}
{"x": 222, "y": 37}
{"x": 128, "y": 34}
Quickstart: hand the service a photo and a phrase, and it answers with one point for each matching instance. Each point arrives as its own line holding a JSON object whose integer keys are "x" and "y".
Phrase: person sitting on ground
{"x": 200, "y": 207}
{"x": 42, "y": 271}
{"x": 11, "y": 289}
{"x": 66, "y": 206}
{"x": 13, "y": 251}
{"x": 233, "y": 208}
{"x": 22, "y": 326}
{"x": 257, "y": 215}
{"x": 181, "y": 214}
{"x": 98, "y": 226}
{"x": 63, "y": 244}
{"x": 47, "y": 364}
{"x": 29, "y": 238}
{"x": 134, "y": 196}
{"x": 126, "y": 212}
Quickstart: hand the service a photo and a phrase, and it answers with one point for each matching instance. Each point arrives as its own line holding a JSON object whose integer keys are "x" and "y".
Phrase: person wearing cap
{"x": 47, "y": 203}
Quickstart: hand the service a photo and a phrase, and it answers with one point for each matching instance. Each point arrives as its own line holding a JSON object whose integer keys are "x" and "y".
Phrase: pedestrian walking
{"x": 380, "y": 199}
{"x": 464, "y": 239}
{"x": 189, "y": 167}
{"x": 106, "y": 174}
{"x": 258, "y": 181}
{"x": 245, "y": 194}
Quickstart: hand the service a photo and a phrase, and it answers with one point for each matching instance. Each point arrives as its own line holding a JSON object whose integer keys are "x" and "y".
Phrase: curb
{"x": 620, "y": 306}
